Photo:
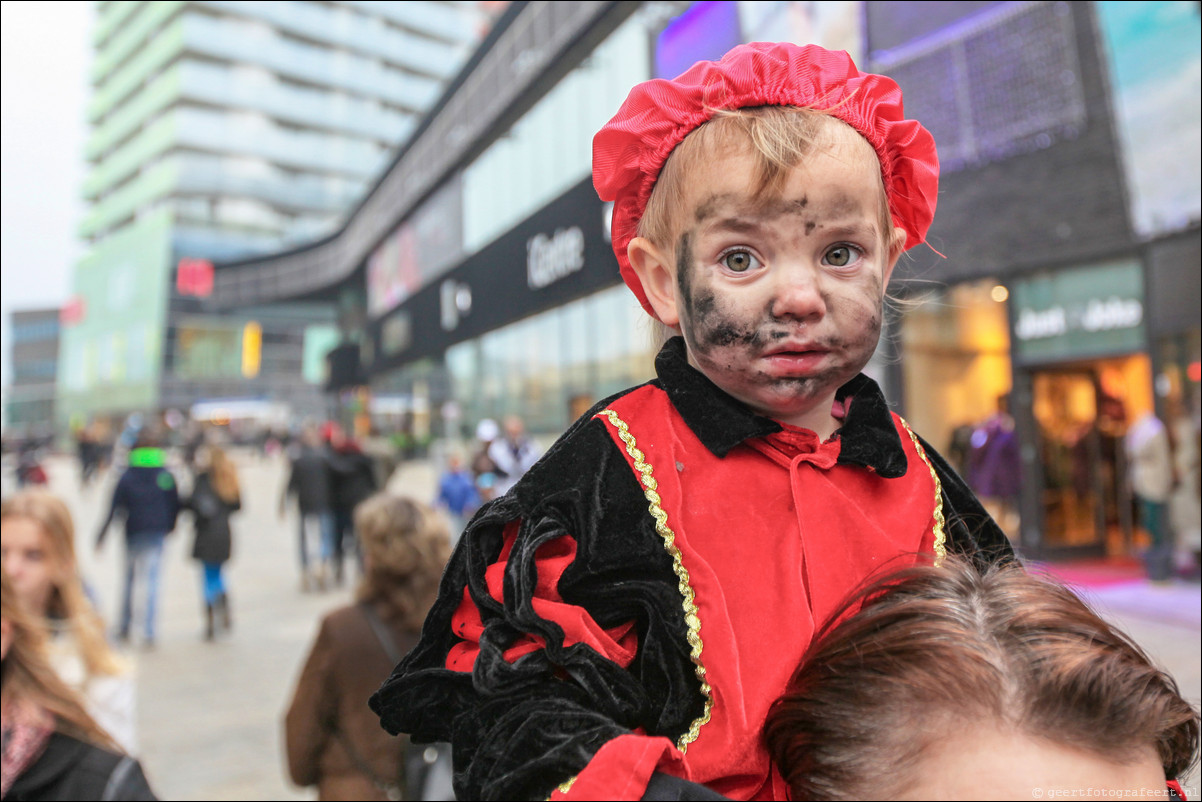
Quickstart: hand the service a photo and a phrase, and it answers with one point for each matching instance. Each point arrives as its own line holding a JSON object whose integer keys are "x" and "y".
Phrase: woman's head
{"x": 224, "y": 474}
{"x": 38, "y": 549}
{"x": 405, "y": 547}
{"x": 26, "y": 676}
{"x": 944, "y": 671}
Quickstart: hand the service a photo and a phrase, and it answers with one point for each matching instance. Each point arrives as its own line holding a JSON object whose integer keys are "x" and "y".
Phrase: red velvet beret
{"x": 632, "y": 147}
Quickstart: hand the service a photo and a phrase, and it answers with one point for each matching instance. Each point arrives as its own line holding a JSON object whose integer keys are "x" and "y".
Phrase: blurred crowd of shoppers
{"x": 334, "y": 740}
{"x": 328, "y": 482}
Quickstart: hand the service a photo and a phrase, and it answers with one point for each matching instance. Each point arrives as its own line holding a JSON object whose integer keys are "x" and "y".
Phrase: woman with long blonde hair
{"x": 38, "y": 552}
{"x": 215, "y": 497}
{"x": 51, "y": 747}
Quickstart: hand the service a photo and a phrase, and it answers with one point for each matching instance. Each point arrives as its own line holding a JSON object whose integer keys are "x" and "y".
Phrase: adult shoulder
{"x": 71, "y": 769}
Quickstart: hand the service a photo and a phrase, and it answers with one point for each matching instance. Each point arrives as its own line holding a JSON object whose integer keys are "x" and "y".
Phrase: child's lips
{"x": 803, "y": 359}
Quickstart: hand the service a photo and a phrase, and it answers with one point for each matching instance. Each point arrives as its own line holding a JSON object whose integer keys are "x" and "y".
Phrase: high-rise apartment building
{"x": 219, "y": 130}
{"x": 33, "y": 349}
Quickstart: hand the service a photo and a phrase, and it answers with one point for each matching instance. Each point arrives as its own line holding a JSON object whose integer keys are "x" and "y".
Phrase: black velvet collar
{"x": 721, "y": 423}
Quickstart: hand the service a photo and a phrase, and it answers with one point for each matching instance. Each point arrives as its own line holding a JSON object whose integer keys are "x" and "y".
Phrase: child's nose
{"x": 798, "y": 295}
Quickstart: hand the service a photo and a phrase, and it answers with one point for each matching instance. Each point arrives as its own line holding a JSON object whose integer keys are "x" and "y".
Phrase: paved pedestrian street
{"x": 210, "y": 714}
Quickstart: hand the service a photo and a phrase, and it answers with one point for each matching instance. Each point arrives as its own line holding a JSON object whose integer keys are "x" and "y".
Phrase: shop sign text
{"x": 1095, "y": 315}
{"x": 548, "y": 259}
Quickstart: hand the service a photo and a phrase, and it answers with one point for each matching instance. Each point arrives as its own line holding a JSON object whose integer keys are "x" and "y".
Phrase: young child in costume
{"x": 621, "y": 621}
{"x": 984, "y": 672}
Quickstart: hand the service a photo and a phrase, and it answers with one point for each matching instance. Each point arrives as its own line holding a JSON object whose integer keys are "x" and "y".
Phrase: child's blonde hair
{"x": 779, "y": 138}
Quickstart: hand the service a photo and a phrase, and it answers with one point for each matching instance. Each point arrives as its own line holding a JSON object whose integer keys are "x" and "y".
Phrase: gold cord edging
{"x": 940, "y": 522}
{"x": 691, "y": 617}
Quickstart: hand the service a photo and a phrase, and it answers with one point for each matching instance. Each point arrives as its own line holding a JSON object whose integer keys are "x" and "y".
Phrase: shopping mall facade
{"x": 1061, "y": 282}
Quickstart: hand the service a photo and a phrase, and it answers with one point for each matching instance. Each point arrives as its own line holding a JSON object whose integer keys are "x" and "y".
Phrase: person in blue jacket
{"x": 148, "y": 498}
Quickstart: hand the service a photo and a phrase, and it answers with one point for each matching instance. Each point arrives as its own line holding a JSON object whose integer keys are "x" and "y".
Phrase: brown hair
{"x": 405, "y": 546}
{"x": 26, "y": 675}
{"x": 934, "y": 647}
{"x": 68, "y": 602}
{"x": 779, "y": 138}
{"x": 223, "y": 475}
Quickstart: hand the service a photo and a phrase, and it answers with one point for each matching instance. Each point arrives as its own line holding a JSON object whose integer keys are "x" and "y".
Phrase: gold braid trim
{"x": 938, "y": 528}
{"x": 565, "y": 786}
{"x": 691, "y": 617}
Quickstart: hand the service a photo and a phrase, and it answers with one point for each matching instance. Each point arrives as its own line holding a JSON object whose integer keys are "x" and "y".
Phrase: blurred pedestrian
{"x": 457, "y": 494}
{"x": 309, "y": 482}
{"x": 88, "y": 449}
{"x": 1150, "y": 468}
{"x": 148, "y": 498}
{"x": 514, "y": 454}
{"x": 38, "y": 551}
{"x": 51, "y": 748}
{"x": 333, "y": 739}
{"x": 352, "y": 479}
{"x": 215, "y": 497}
{"x": 484, "y": 470}
{"x": 30, "y": 470}
{"x": 1185, "y": 502}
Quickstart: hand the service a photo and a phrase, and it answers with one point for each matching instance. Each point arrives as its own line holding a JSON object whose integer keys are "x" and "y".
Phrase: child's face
{"x": 780, "y": 299}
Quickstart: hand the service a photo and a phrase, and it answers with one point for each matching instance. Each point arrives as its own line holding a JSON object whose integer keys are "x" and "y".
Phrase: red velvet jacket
{"x": 638, "y": 601}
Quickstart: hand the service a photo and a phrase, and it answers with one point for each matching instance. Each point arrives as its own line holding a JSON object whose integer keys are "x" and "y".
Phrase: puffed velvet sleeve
{"x": 558, "y": 630}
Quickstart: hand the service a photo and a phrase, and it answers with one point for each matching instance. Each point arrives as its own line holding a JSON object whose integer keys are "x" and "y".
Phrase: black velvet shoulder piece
{"x": 719, "y": 421}
{"x": 971, "y": 531}
{"x": 869, "y": 435}
{"x": 518, "y": 729}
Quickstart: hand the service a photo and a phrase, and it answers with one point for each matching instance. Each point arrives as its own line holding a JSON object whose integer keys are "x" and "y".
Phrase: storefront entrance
{"x": 1082, "y": 413}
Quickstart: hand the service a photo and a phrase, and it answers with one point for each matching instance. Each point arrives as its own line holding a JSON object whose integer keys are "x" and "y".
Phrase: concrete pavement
{"x": 210, "y": 713}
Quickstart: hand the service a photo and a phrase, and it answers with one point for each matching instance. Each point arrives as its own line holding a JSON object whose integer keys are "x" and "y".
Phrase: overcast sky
{"x": 43, "y": 91}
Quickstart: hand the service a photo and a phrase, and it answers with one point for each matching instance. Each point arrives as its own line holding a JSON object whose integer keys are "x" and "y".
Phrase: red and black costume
{"x": 652, "y": 583}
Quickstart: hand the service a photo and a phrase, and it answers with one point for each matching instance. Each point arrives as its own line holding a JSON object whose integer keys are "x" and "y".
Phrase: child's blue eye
{"x": 739, "y": 261}
{"x": 841, "y": 255}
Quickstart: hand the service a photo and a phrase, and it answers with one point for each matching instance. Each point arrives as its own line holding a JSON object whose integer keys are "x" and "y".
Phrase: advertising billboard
{"x": 708, "y": 30}
{"x": 111, "y": 356}
{"x": 1155, "y": 60}
{"x": 418, "y": 251}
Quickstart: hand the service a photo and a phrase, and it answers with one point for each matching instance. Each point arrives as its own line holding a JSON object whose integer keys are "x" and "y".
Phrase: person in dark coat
{"x": 215, "y": 497}
{"x": 51, "y": 747}
{"x": 309, "y": 482}
{"x": 352, "y": 479}
{"x": 148, "y": 497}
{"x": 332, "y": 739}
